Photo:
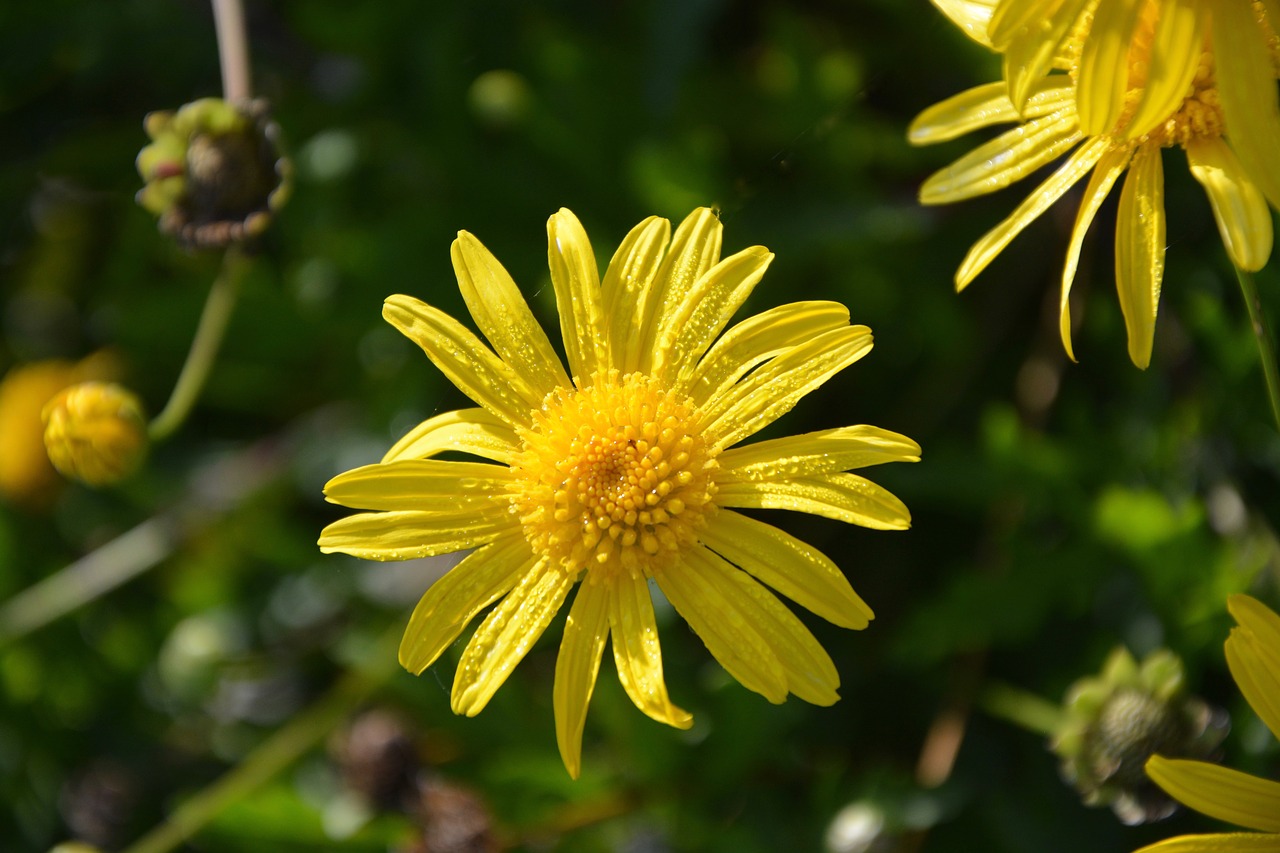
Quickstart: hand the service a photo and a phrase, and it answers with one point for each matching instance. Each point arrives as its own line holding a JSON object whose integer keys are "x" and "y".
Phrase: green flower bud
{"x": 95, "y": 432}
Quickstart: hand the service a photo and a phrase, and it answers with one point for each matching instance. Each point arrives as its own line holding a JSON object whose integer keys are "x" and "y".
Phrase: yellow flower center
{"x": 614, "y": 476}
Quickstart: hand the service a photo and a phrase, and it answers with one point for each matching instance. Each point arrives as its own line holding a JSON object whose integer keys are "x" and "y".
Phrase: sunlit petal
{"x": 844, "y": 497}
{"x": 578, "y": 295}
{"x": 1239, "y": 208}
{"x": 1104, "y": 69}
{"x": 1140, "y": 230}
{"x": 478, "y": 432}
{"x": 638, "y": 654}
{"x": 1219, "y": 792}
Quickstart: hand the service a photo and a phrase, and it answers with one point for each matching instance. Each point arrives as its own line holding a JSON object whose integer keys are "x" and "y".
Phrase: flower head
{"x": 1137, "y": 76}
{"x": 622, "y": 471}
{"x": 1253, "y": 655}
{"x": 95, "y": 432}
{"x": 1115, "y": 721}
{"x": 214, "y": 173}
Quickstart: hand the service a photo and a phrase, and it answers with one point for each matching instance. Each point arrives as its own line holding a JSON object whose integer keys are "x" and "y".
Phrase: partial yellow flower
{"x": 95, "y": 432}
{"x": 1139, "y": 76}
{"x": 622, "y": 471}
{"x": 1253, "y": 655}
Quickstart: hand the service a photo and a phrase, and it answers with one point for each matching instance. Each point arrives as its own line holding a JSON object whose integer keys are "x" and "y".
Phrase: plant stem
{"x": 233, "y": 49}
{"x": 1022, "y": 708}
{"x": 204, "y": 347}
{"x": 1266, "y": 343}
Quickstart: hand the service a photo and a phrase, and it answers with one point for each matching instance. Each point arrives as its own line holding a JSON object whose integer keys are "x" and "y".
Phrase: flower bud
{"x": 1115, "y": 721}
{"x": 95, "y": 432}
{"x": 214, "y": 172}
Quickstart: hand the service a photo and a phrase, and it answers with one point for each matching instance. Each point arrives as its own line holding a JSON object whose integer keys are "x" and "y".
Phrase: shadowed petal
{"x": 1219, "y": 792}
{"x": 1239, "y": 208}
{"x": 1172, "y": 65}
{"x": 695, "y": 248}
{"x": 454, "y": 600}
{"x": 1253, "y": 655}
{"x": 1033, "y": 41}
{"x": 475, "y": 431}
{"x": 576, "y": 668}
{"x": 1103, "y": 76}
{"x": 1223, "y": 842}
{"x": 1140, "y": 230}
{"x": 1246, "y": 84}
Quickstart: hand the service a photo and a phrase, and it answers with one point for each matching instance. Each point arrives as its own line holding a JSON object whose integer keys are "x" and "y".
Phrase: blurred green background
{"x": 1061, "y": 509}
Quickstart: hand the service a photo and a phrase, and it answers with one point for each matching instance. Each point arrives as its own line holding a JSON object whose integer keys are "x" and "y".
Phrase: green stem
{"x": 1266, "y": 342}
{"x": 204, "y": 347}
{"x": 1021, "y": 708}
{"x": 276, "y": 753}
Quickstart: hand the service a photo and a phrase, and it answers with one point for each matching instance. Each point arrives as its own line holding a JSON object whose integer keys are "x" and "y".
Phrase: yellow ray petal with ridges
{"x": 773, "y": 389}
{"x": 475, "y": 431}
{"x": 844, "y": 497}
{"x": 1222, "y": 842}
{"x": 808, "y": 669}
{"x": 1012, "y": 18}
{"x": 792, "y": 567}
{"x": 695, "y": 248}
{"x": 1246, "y": 83}
{"x": 1239, "y": 208}
{"x": 463, "y": 359}
{"x": 1008, "y": 158}
{"x": 1041, "y": 199}
{"x": 971, "y": 16}
{"x": 483, "y": 576}
{"x": 1104, "y": 67}
{"x": 984, "y": 106}
{"x": 1253, "y": 655}
{"x": 506, "y": 636}
{"x": 578, "y": 296}
{"x": 628, "y": 278}
{"x": 637, "y": 653}
{"x": 731, "y": 638}
{"x": 1031, "y": 52}
{"x": 755, "y": 340}
{"x": 1219, "y": 792}
{"x": 1140, "y": 230}
{"x": 421, "y": 484}
{"x": 1172, "y": 65}
{"x": 504, "y": 317}
{"x": 824, "y": 452}
{"x": 577, "y": 666}
{"x": 406, "y": 535}
{"x": 715, "y": 297}
{"x": 1106, "y": 172}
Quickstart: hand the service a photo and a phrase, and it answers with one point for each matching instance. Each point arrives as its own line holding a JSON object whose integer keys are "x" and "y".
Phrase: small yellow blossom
{"x": 1136, "y": 76}
{"x": 622, "y": 472}
{"x": 1253, "y": 655}
{"x": 95, "y": 432}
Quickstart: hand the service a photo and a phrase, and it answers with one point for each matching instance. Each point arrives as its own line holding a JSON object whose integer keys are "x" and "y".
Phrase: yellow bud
{"x": 95, "y": 432}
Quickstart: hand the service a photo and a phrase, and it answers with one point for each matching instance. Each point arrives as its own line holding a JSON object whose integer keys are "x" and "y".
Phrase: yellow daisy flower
{"x": 623, "y": 471}
{"x": 1140, "y": 75}
{"x": 1253, "y": 655}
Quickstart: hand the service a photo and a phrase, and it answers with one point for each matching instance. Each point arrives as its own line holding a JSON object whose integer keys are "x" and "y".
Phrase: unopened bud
{"x": 95, "y": 432}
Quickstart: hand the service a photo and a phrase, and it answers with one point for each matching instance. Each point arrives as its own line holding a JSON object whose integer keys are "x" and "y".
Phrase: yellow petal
{"x": 844, "y": 497}
{"x": 406, "y": 535}
{"x": 1041, "y": 199}
{"x": 1246, "y": 85}
{"x": 451, "y": 602}
{"x": 1219, "y": 792}
{"x": 1239, "y": 208}
{"x": 1140, "y": 229}
{"x": 1175, "y": 56}
{"x": 422, "y": 484}
{"x": 463, "y": 359}
{"x": 1032, "y": 49}
{"x": 506, "y": 636}
{"x": 1104, "y": 65}
{"x": 755, "y": 340}
{"x": 630, "y": 275}
{"x": 986, "y": 105}
{"x": 1012, "y": 18}
{"x": 504, "y": 317}
{"x": 578, "y": 297}
{"x": 576, "y": 668}
{"x": 1009, "y": 157}
{"x": 475, "y": 431}
{"x": 695, "y": 248}
{"x": 823, "y": 452}
{"x": 971, "y": 16}
{"x": 808, "y": 669}
{"x": 707, "y": 308}
{"x": 794, "y": 568}
{"x": 731, "y": 639}
{"x": 1108, "y": 169}
{"x": 771, "y": 390}
{"x": 1253, "y": 654}
{"x": 1224, "y": 842}
{"x": 638, "y": 655}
